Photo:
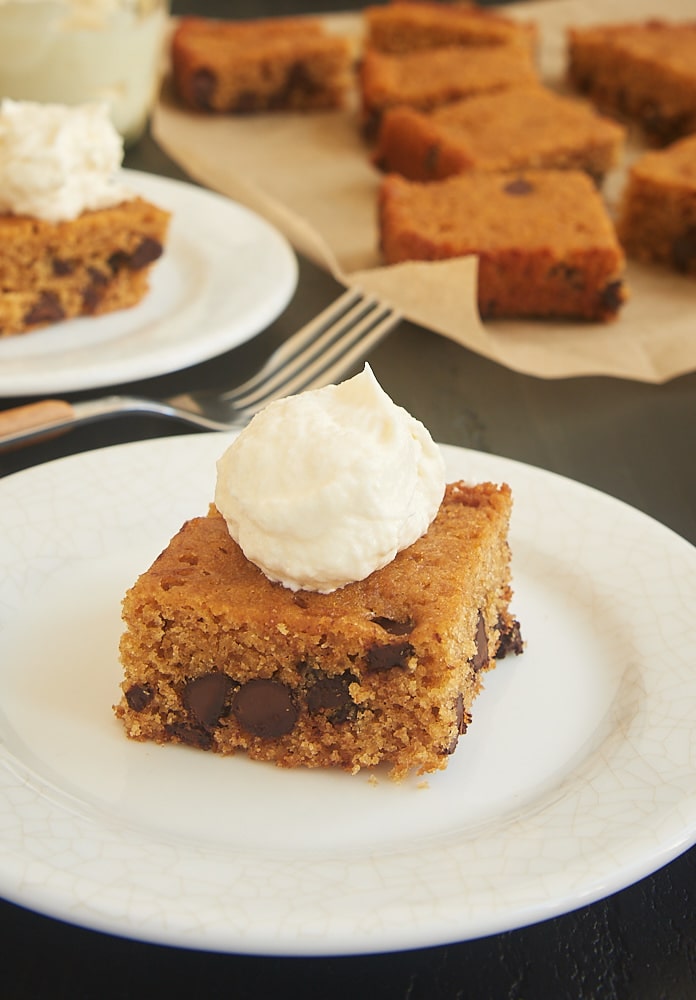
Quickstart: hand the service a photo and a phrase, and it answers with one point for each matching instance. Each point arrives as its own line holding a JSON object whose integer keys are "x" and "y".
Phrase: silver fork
{"x": 318, "y": 354}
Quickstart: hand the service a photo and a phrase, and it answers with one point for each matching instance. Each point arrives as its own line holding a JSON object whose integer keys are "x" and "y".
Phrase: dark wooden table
{"x": 631, "y": 440}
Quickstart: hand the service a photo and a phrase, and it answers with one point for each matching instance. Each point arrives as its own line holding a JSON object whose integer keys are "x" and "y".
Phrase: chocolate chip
{"x": 297, "y": 82}
{"x": 265, "y": 708}
{"x": 331, "y": 696}
{"x": 462, "y": 718}
{"x": 47, "y": 309}
{"x": 97, "y": 277}
{"x": 480, "y": 658}
{"x": 139, "y": 696}
{"x": 684, "y": 250}
{"x": 461, "y": 715}
{"x": 144, "y": 254}
{"x": 92, "y": 294}
{"x": 519, "y": 186}
{"x": 381, "y": 658}
{"x": 192, "y": 735}
{"x": 572, "y": 276}
{"x": 612, "y": 296}
{"x": 393, "y": 626}
{"x": 205, "y": 697}
{"x": 203, "y": 86}
{"x": 62, "y": 267}
{"x": 510, "y": 640}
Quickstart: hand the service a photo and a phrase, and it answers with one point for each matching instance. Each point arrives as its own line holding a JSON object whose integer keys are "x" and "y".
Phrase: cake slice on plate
{"x": 364, "y": 638}
{"x": 73, "y": 240}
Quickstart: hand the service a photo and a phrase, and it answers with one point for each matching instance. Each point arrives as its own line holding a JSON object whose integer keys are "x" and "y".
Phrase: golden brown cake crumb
{"x": 657, "y": 213}
{"x": 96, "y": 263}
{"x": 544, "y": 240}
{"x": 518, "y": 128}
{"x": 259, "y": 65}
{"x": 383, "y": 670}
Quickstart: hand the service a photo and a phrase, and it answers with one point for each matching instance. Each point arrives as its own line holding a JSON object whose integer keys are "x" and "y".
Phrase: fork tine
{"x": 289, "y": 351}
{"x": 347, "y": 351}
{"x": 340, "y": 337}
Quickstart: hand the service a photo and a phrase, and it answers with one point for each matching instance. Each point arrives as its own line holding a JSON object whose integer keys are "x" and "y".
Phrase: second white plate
{"x": 577, "y": 776}
{"x": 225, "y": 275}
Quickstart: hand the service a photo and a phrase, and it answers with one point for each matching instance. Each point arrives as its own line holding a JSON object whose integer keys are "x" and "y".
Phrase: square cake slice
{"x": 265, "y": 64}
{"x": 431, "y": 78}
{"x": 657, "y": 211}
{"x": 384, "y": 670}
{"x": 96, "y": 263}
{"x": 645, "y": 71}
{"x": 517, "y": 128}
{"x": 409, "y": 25}
{"x": 545, "y": 243}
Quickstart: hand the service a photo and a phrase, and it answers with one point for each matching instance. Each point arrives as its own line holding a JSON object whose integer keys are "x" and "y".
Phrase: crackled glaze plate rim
{"x": 575, "y": 779}
{"x": 225, "y": 275}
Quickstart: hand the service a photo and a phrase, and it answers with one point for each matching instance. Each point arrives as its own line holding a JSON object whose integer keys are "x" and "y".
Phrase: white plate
{"x": 225, "y": 275}
{"x": 577, "y": 777}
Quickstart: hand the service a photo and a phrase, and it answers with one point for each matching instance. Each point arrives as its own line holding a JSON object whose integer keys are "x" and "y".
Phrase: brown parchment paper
{"x": 311, "y": 176}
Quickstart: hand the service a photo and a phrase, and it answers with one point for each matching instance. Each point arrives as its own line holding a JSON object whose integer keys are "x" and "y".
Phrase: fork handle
{"x": 34, "y": 422}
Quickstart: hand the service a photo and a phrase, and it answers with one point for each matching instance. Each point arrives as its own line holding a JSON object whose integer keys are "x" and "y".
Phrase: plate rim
{"x": 182, "y": 353}
{"x": 401, "y": 937}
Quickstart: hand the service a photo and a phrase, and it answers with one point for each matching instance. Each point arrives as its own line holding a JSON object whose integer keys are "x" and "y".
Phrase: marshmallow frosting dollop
{"x": 58, "y": 161}
{"x": 323, "y": 488}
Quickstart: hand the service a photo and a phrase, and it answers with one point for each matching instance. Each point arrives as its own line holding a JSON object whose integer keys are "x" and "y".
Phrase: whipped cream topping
{"x": 323, "y": 488}
{"x": 58, "y": 161}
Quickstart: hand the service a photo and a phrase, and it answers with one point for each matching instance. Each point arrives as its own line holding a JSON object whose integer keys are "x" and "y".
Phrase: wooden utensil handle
{"x": 34, "y": 415}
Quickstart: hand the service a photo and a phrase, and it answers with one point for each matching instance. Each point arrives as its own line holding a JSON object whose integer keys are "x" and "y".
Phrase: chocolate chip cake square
{"x": 432, "y": 78}
{"x": 545, "y": 243}
{"x": 384, "y": 670}
{"x": 644, "y": 71}
{"x": 410, "y": 25}
{"x": 96, "y": 263}
{"x": 517, "y": 128}
{"x": 657, "y": 212}
{"x": 264, "y": 64}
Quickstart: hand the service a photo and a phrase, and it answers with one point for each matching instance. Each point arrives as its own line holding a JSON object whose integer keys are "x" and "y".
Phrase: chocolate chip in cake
{"x": 519, "y": 186}
{"x": 684, "y": 250}
{"x": 61, "y": 268}
{"x": 397, "y": 654}
{"x": 463, "y": 718}
{"x": 145, "y": 253}
{"x": 480, "y": 658}
{"x": 510, "y": 640}
{"x": 47, "y": 309}
{"x": 148, "y": 251}
{"x": 572, "y": 276}
{"x": 265, "y": 708}
{"x": 139, "y": 696}
{"x": 205, "y": 697}
{"x": 393, "y": 626}
{"x": 297, "y": 82}
{"x": 192, "y": 735}
{"x": 612, "y": 296}
{"x": 203, "y": 86}
{"x": 92, "y": 294}
{"x": 331, "y": 696}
